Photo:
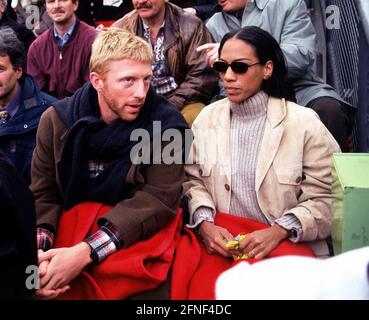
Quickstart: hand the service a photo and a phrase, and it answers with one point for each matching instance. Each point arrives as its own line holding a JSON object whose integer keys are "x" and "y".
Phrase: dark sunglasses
{"x": 236, "y": 66}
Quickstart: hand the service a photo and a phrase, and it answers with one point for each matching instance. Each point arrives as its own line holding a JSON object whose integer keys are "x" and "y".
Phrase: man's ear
{"x": 96, "y": 81}
{"x": 19, "y": 72}
{"x": 76, "y": 4}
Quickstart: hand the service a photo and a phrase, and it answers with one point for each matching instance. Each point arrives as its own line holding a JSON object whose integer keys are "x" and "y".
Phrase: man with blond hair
{"x": 84, "y": 153}
{"x": 180, "y": 73}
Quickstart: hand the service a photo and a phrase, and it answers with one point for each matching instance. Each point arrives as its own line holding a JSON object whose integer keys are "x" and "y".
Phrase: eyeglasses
{"x": 236, "y": 66}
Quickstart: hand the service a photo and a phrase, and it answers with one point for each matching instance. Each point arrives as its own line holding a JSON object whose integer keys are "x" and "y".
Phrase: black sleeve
{"x": 18, "y": 234}
{"x": 205, "y": 11}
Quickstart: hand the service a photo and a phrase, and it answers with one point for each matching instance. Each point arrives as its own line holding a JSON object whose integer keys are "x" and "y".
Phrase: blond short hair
{"x": 117, "y": 44}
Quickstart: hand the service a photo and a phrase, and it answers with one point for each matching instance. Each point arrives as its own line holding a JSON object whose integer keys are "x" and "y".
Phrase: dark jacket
{"x": 183, "y": 34}
{"x": 24, "y": 35}
{"x": 152, "y": 191}
{"x": 93, "y": 11}
{"x": 61, "y": 71}
{"x": 22, "y": 15}
{"x": 204, "y": 8}
{"x": 18, "y": 135}
{"x": 18, "y": 233}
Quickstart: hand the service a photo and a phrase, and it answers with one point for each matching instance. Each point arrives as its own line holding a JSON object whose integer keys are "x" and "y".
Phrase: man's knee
{"x": 337, "y": 117}
{"x": 329, "y": 109}
{"x": 191, "y": 111}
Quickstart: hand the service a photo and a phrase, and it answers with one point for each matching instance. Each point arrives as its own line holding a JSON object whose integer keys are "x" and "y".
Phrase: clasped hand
{"x": 58, "y": 267}
{"x": 257, "y": 244}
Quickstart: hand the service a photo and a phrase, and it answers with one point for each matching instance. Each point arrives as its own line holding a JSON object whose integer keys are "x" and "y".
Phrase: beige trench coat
{"x": 293, "y": 171}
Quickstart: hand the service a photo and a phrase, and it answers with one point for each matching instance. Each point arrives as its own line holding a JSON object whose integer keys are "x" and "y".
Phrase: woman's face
{"x": 240, "y": 86}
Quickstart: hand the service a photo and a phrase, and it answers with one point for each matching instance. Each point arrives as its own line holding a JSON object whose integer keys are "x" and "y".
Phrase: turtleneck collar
{"x": 253, "y": 107}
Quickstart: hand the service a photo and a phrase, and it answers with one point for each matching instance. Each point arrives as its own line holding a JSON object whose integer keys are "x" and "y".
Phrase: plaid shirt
{"x": 103, "y": 242}
{"x": 4, "y": 117}
{"x": 45, "y": 239}
{"x": 163, "y": 82}
{"x": 95, "y": 168}
{"x": 8, "y": 111}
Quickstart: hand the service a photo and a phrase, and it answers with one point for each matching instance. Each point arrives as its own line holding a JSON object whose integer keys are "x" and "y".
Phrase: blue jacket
{"x": 18, "y": 135}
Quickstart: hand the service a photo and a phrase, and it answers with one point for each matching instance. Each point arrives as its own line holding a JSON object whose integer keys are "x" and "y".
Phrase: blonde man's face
{"x": 123, "y": 88}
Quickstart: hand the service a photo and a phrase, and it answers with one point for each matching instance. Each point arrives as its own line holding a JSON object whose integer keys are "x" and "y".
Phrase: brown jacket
{"x": 155, "y": 189}
{"x": 183, "y": 34}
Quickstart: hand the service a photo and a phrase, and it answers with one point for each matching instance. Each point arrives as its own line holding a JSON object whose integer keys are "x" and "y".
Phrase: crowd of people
{"x": 246, "y": 136}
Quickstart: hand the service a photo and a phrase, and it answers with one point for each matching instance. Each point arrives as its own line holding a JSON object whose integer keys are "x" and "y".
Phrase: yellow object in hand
{"x": 233, "y": 244}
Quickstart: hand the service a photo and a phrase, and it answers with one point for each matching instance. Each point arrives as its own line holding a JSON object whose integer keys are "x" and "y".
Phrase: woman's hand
{"x": 259, "y": 244}
{"x": 215, "y": 238}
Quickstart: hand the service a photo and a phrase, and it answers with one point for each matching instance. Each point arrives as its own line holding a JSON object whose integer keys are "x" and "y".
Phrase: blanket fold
{"x": 195, "y": 271}
{"x": 138, "y": 268}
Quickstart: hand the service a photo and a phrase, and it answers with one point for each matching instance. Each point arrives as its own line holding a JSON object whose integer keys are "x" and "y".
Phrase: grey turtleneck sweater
{"x": 247, "y": 128}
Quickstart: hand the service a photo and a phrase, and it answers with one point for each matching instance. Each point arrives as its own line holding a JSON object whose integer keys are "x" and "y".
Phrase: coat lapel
{"x": 223, "y": 131}
{"x": 273, "y": 134}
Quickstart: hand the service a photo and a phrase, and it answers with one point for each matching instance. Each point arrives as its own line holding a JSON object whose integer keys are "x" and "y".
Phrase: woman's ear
{"x": 268, "y": 69}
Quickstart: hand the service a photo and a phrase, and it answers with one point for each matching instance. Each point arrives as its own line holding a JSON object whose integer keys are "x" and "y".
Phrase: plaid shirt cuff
{"x": 45, "y": 239}
{"x": 104, "y": 242}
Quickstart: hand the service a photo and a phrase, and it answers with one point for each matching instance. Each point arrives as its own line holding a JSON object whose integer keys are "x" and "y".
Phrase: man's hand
{"x": 42, "y": 268}
{"x": 259, "y": 244}
{"x": 191, "y": 10}
{"x": 42, "y": 293}
{"x": 211, "y": 52}
{"x": 63, "y": 265}
{"x": 45, "y": 294}
{"x": 215, "y": 238}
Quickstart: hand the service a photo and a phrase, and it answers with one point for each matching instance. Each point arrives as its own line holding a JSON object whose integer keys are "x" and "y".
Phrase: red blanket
{"x": 106, "y": 24}
{"x": 138, "y": 268}
{"x": 195, "y": 271}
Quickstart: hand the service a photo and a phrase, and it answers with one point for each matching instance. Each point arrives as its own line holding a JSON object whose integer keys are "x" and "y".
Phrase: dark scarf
{"x": 90, "y": 138}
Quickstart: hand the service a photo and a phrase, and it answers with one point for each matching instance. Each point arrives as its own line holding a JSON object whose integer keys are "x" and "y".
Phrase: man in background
{"x": 59, "y": 58}
{"x": 21, "y": 105}
{"x": 180, "y": 73}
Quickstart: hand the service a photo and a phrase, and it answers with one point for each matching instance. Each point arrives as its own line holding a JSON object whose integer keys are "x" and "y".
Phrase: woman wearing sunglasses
{"x": 258, "y": 156}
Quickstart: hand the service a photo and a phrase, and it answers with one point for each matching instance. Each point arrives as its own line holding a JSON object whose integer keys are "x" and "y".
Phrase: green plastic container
{"x": 350, "y": 187}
